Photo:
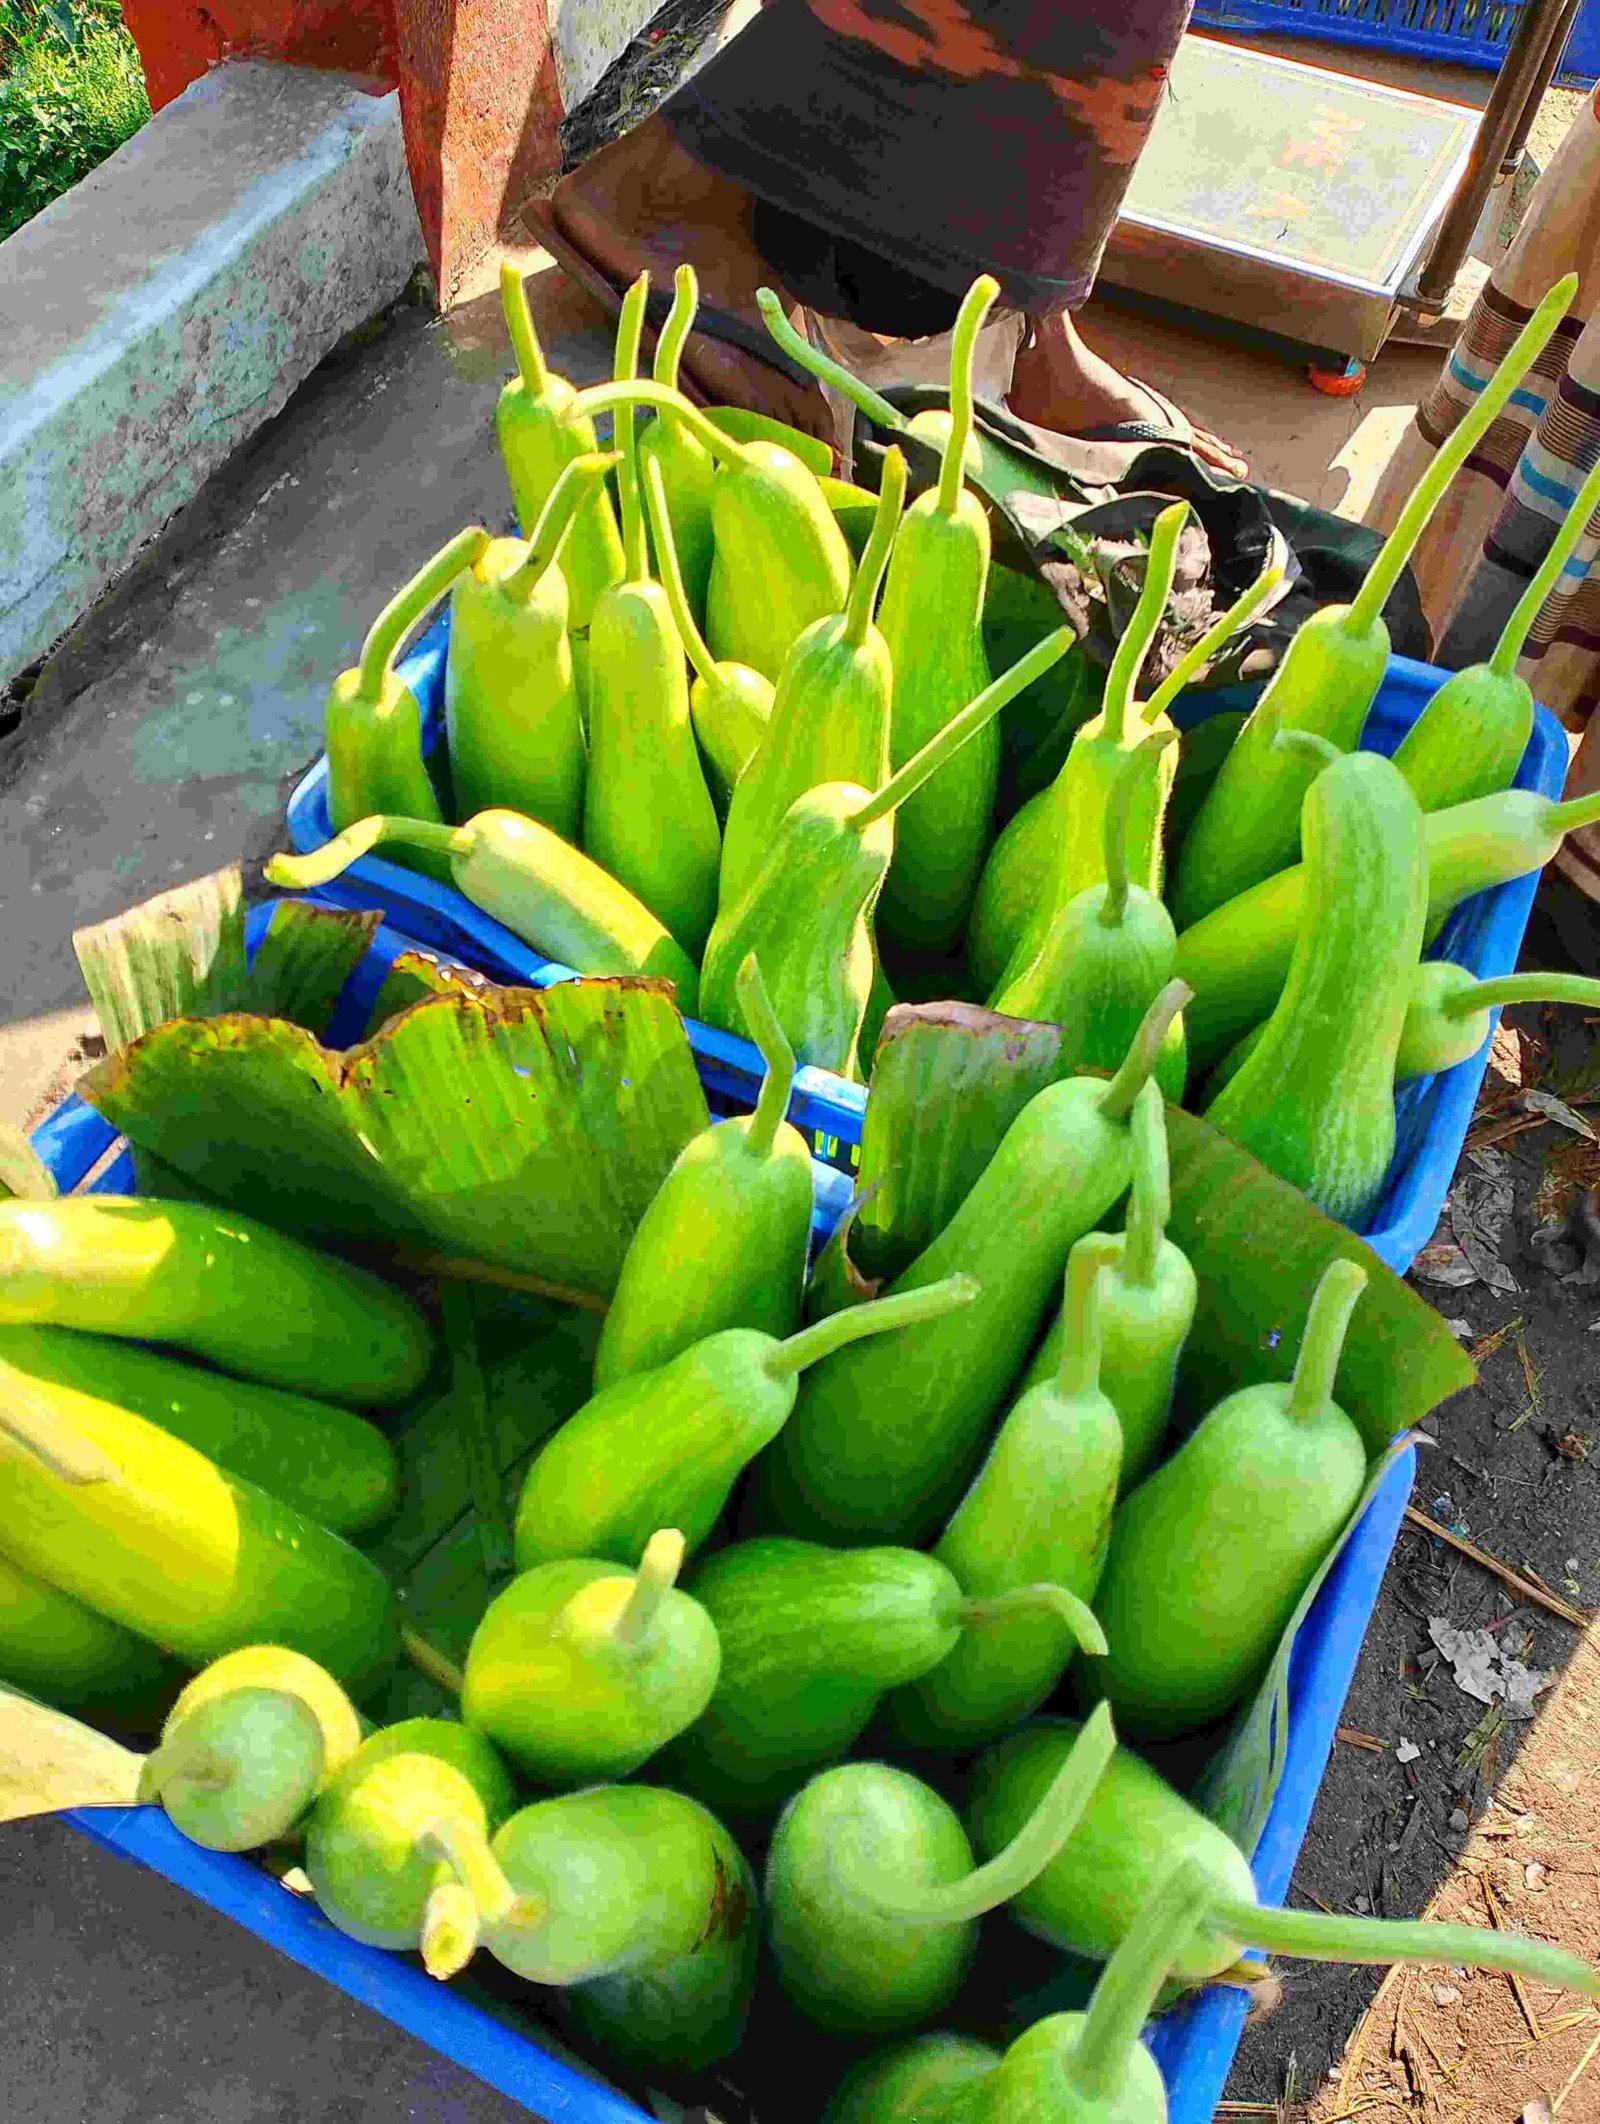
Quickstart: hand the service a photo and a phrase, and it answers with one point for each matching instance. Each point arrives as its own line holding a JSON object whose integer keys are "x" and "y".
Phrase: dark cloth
{"x": 945, "y": 138}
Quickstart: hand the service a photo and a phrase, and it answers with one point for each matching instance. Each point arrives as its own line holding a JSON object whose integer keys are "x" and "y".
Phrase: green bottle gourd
{"x": 685, "y": 466}
{"x": 779, "y": 560}
{"x": 1469, "y": 740}
{"x": 1108, "y": 951}
{"x": 1070, "y": 2068}
{"x": 398, "y": 1850}
{"x": 1039, "y": 1509}
{"x": 324, "y": 1461}
{"x": 1269, "y": 1478}
{"x": 730, "y": 706}
{"x": 932, "y": 621}
{"x": 579, "y": 1671}
{"x": 723, "y": 1243}
{"x": 648, "y": 819}
{"x": 872, "y": 1895}
{"x": 512, "y": 718}
{"x": 248, "y": 1746}
{"x": 132, "y": 1522}
{"x": 1315, "y": 1100}
{"x": 540, "y": 434}
{"x": 1248, "y": 826}
{"x": 811, "y": 1638}
{"x": 68, "y": 1655}
{"x": 827, "y": 859}
{"x": 373, "y": 723}
{"x": 1057, "y": 845}
{"x": 1133, "y": 1833}
{"x": 1236, "y": 960}
{"x": 884, "y": 1451}
{"x": 243, "y": 1296}
{"x": 542, "y": 888}
{"x": 1148, "y": 1293}
{"x": 830, "y": 712}
{"x": 1448, "y": 1013}
{"x": 639, "y": 1905}
{"x": 664, "y": 1448}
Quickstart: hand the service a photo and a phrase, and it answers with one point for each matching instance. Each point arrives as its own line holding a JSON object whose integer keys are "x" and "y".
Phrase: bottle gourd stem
{"x": 1503, "y": 662}
{"x": 1131, "y": 1982}
{"x": 1523, "y": 988}
{"x": 1322, "y": 1344}
{"x": 815, "y": 363}
{"x": 1035, "y": 1600}
{"x": 197, "y": 1762}
{"x": 409, "y": 603}
{"x": 428, "y": 1660}
{"x": 670, "y": 571}
{"x": 1140, "y": 632}
{"x": 479, "y": 1892}
{"x": 610, "y": 397}
{"x": 1115, "y": 825}
{"x": 578, "y": 480}
{"x": 524, "y": 339}
{"x": 1138, "y": 1064}
{"x": 630, "y": 329}
{"x": 1366, "y": 608}
{"x": 875, "y": 554}
{"x": 1150, "y": 1195}
{"x": 679, "y": 324}
{"x": 1078, "y": 1372}
{"x": 1011, "y": 1870}
{"x": 998, "y": 694}
{"x": 653, "y": 1581}
{"x": 772, "y": 1103}
{"x": 1567, "y": 816}
{"x": 963, "y": 344}
{"x": 904, "y": 1309}
{"x": 1315, "y": 1938}
{"x": 295, "y": 872}
{"x": 1217, "y": 636}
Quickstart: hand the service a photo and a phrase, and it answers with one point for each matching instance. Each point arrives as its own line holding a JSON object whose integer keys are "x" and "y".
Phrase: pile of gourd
{"x": 828, "y": 784}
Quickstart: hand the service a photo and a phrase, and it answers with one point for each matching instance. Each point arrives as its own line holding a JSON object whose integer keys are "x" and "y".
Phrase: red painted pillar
{"x": 179, "y": 40}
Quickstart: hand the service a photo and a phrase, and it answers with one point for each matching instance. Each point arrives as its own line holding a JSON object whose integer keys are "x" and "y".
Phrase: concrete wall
{"x": 157, "y": 314}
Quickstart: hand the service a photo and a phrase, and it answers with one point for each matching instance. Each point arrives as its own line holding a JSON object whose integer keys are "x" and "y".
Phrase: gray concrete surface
{"x": 158, "y": 313}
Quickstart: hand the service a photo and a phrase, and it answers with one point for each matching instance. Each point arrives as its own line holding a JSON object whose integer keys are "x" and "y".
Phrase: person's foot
{"x": 645, "y": 204}
{"x": 1060, "y": 383}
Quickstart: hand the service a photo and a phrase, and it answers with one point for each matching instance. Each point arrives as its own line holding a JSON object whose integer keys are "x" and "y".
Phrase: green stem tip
{"x": 1138, "y": 1064}
{"x": 1150, "y": 1193}
{"x": 1078, "y": 1372}
{"x": 1134, "y": 645}
{"x": 625, "y": 367}
{"x": 428, "y": 1660}
{"x": 524, "y": 339}
{"x": 410, "y": 603}
{"x": 875, "y": 554}
{"x": 679, "y": 324}
{"x": 1144, "y": 758}
{"x": 1507, "y": 989}
{"x": 1041, "y": 1598}
{"x": 815, "y": 363}
{"x": 963, "y": 346}
{"x": 772, "y": 1102}
{"x": 295, "y": 873}
{"x": 609, "y": 397}
{"x": 580, "y": 478}
{"x": 901, "y": 1310}
{"x": 1322, "y": 1344}
{"x": 652, "y": 1582}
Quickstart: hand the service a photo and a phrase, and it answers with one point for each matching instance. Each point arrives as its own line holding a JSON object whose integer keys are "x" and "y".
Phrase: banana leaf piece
{"x": 415, "y": 975}
{"x": 22, "y": 1171}
{"x": 49, "y": 1761}
{"x": 178, "y": 955}
{"x": 520, "y": 1131}
{"x": 304, "y": 960}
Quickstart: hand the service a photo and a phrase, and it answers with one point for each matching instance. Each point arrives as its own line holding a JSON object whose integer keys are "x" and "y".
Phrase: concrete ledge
{"x": 155, "y": 316}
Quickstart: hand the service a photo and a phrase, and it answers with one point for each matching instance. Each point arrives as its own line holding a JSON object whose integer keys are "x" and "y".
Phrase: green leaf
{"x": 180, "y": 954}
{"x": 416, "y": 975}
{"x": 49, "y": 1761}
{"x": 523, "y": 1131}
{"x": 948, "y": 1080}
{"x": 1259, "y": 1250}
{"x": 1241, "y": 1780}
{"x": 304, "y": 960}
{"x": 22, "y": 1171}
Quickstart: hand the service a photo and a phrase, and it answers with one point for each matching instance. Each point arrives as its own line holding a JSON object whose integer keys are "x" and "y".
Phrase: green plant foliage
{"x": 71, "y": 92}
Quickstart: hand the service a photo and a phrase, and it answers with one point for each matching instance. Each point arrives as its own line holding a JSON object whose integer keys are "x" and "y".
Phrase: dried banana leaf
{"x": 22, "y": 1171}
{"x": 49, "y": 1761}
{"x": 178, "y": 955}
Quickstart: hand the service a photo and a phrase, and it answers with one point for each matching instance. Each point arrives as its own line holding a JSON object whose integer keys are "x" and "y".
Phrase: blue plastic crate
{"x": 1467, "y": 32}
{"x": 1195, "y": 2044}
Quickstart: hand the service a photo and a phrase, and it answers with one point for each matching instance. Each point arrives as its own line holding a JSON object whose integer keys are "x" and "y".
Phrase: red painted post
{"x": 179, "y": 40}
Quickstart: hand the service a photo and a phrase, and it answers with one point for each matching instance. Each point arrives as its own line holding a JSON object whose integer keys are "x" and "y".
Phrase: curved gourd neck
{"x": 578, "y": 480}
{"x": 1499, "y": 994}
{"x": 1078, "y": 1372}
{"x": 1143, "y": 759}
{"x": 1134, "y": 646}
{"x": 613, "y": 397}
{"x": 1081, "y": 1622}
{"x": 473, "y": 1892}
{"x": 408, "y": 605}
{"x": 1150, "y": 1194}
{"x": 856, "y": 1322}
{"x": 815, "y": 363}
{"x": 1033, "y": 1847}
{"x": 868, "y": 578}
{"x": 1138, "y": 1064}
{"x": 652, "y": 1582}
{"x": 963, "y": 347}
{"x": 531, "y": 365}
{"x": 297, "y": 873}
{"x": 625, "y": 368}
{"x": 670, "y": 569}
{"x": 777, "y": 1082}
{"x": 1322, "y": 1345}
{"x": 1365, "y": 613}
{"x": 679, "y": 324}
{"x": 1131, "y": 1982}
{"x": 1508, "y": 649}
{"x": 1567, "y": 815}
{"x": 1216, "y": 638}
